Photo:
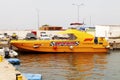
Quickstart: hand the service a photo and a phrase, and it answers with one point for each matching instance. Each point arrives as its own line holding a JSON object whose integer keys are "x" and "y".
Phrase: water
{"x": 72, "y": 66}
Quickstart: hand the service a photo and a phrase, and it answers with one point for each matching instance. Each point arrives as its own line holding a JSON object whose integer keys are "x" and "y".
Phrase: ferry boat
{"x": 70, "y": 40}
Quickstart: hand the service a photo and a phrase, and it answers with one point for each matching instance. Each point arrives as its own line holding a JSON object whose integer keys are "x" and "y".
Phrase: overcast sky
{"x": 22, "y": 14}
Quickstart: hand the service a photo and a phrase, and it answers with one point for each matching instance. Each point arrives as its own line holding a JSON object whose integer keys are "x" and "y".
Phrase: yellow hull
{"x": 77, "y": 41}
{"x": 44, "y": 46}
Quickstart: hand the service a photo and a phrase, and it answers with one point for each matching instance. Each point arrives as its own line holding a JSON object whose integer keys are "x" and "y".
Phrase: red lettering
{"x": 88, "y": 39}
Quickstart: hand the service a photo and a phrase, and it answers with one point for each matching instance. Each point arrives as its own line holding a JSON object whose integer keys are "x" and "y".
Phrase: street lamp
{"x": 38, "y": 24}
{"x": 78, "y": 6}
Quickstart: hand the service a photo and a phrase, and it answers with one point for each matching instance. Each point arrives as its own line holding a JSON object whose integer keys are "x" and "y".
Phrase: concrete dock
{"x": 114, "y": 43}
{"x": 8, "y": 71}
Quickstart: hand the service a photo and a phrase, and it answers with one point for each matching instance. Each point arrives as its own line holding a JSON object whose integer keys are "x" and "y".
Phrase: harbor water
{"x": 72, "y": 66}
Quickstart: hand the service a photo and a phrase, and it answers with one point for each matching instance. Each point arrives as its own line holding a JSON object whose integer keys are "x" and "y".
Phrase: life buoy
{"x": 54, "y": 47}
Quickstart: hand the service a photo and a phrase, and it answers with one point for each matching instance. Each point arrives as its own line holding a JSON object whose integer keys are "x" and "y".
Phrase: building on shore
{"x": 47, "y": 27}
{"x": 110, "y": 31}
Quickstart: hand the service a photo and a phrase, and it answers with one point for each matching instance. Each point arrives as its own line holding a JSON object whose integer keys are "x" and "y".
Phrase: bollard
{"x": 1, "y": 58}
{"x": 18, "y": 77}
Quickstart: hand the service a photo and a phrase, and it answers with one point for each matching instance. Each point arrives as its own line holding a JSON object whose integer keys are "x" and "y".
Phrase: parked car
{"x": 14, "y": 36}
{"x": 3, "y": 37}
{"x": 30, "y": 36}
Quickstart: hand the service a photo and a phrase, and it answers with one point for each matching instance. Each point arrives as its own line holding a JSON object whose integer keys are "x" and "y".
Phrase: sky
{"x": 23, "y": 14}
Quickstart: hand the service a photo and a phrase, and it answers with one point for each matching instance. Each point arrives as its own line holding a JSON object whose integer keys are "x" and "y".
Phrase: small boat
{"x": 8, "y": 53}
{"x": 70, "y": 40}
{"x": 14, "y": 61}
{"x": 31, "y": 76}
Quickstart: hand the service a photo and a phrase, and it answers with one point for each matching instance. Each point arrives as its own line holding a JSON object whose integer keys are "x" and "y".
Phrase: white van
{"x": 45, "y": 37}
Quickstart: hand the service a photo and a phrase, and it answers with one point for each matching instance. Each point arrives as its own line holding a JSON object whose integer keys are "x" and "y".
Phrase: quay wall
{"x": 114, "y": 43}
{"x": 8, "y": 71}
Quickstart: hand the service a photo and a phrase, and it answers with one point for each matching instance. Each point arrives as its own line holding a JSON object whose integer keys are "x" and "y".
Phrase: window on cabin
{"x": 72, "y": 36}
{"x": 64, "y": 37}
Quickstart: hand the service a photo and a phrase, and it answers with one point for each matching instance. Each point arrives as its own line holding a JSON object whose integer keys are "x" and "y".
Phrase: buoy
{"x": 71, "y": 47}
{"x": 1, "y": 58}
{"x": 31, "y": 76}
{"x": 14, "y": 61}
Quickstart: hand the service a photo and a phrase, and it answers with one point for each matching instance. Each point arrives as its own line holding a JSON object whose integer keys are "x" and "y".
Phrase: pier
{"x": 8, "y": 71}
{"x": 114, "y": 43}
